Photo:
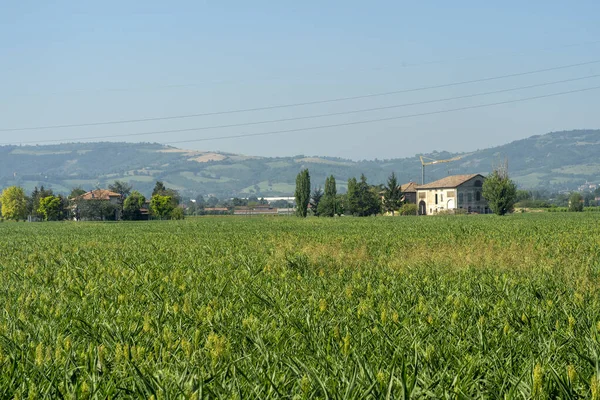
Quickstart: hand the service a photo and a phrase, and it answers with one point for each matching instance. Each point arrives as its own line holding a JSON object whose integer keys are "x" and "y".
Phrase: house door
{"x": 422, "y": 209}
{"x": 451, "y": 204}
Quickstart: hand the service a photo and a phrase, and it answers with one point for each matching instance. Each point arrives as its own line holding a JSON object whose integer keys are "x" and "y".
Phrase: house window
{"x": 436, "y": 199}
{"x": 441, "y": 197}
{"x": 461, "y": 198}
{"x": 469, "y": 197}
{"x": 478, "y": 184}
{"x": 477, "y": 196}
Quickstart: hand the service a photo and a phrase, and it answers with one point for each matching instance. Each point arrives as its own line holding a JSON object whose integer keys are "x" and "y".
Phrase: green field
{"x": 230, "y": 307}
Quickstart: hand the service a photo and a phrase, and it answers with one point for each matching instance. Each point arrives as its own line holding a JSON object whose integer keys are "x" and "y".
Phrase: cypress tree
{"x": 328, "y": 206}
{"x": 302, "y": 193}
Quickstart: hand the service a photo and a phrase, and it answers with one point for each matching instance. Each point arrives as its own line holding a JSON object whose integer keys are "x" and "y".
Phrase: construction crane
{"x": 434, "y": 161}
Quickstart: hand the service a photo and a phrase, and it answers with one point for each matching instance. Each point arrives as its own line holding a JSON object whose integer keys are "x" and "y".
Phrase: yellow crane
{"x": 434, "y": 161}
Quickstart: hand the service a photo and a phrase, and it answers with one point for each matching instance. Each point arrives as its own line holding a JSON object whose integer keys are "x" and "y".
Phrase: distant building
{"x": 409, "y": 192}
{"x": 93, "y": 205}
{"x": 216, "y": 210}
{"x": 456, "y": 192}
{"x": 255, "y": 210}
{"x": 101, "y": 194}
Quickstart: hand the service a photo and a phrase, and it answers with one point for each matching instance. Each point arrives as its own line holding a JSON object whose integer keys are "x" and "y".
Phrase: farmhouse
{"x": 409, "y": 192}
{"x": 456, "y": 192}
{"x": 99, "y": 204}
{"x": 101, "y": 194}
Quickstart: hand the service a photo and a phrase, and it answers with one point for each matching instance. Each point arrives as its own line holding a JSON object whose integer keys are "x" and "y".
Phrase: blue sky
{"x": 80, "y": 62}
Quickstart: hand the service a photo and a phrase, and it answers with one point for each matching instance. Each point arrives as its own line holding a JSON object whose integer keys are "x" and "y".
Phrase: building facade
{"x": 409, "y": 192}
{"x": 457, "y": 192}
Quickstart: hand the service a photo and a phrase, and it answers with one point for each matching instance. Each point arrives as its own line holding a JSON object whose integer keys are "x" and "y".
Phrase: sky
{"x": 70, "y": 63}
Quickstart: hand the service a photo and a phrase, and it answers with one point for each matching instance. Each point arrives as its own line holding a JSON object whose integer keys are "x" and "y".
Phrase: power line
{"x": 317, "y": 115}
{"x": 271, "y": 77}
{"x": 314, "y": 102}
{"x": 381, "y": 119}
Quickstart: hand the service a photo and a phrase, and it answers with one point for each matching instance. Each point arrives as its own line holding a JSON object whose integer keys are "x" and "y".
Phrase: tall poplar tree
{"x": 302, "y": 193}
{"x": 328, "y": 206}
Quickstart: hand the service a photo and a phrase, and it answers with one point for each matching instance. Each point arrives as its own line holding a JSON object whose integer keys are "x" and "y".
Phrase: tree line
{"x": 361, "y": 199}
{"x": 43, "y": 205}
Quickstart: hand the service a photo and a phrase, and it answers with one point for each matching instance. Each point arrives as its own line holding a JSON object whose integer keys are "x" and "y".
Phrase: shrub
{"x": 177, "y": 213}
{"x": 408, "y": 209}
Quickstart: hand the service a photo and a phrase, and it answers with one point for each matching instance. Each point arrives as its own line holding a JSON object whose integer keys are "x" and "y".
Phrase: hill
{"x": 556, "y": 161}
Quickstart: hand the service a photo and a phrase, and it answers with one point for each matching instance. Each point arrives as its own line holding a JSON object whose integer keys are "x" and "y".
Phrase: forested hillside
{"x": 556, "y": 161}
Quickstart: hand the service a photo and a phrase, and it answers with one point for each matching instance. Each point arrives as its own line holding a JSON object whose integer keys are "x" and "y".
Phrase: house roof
{"x": 98, "y": 194}
{"x": 449, "y": 181}
{"x": 408, "y": 187}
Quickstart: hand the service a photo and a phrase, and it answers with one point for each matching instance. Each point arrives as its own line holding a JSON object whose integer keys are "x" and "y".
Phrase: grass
{"x": 431, "y": 307}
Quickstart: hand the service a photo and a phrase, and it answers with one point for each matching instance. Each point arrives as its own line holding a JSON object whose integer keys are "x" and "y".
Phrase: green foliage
{"x": 141, "y": 164}
{"x": 177, "y": 214}
{"x": 132, "y": 205}
{"x": 302, "y": 193}
{"x": 14, "y": 203}
{"x": 576, "y": 202}
{"x": 500, "y": 192}
{"x": 76, "y": 192}
{"x": 532, "y": 204}
{"x": 522, "y": 195}
{"x": 402, "y": 308}
{"x": 329, "y": 206}
{"x": 361, "y": 199}
{"x": 392, "y": 195}
{"x": 161, "y": 206}
{"x": 95, "y": 210}
{"x": 408, "y": 209}
{"x": 315, "y": 200}
{"x": 50, "y": 208}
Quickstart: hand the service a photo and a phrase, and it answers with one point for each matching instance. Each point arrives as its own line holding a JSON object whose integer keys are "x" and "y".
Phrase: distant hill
{"x": 556, "y": 161}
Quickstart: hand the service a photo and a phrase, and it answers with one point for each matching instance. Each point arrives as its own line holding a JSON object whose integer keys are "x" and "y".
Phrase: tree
{"x": 132, "y": 206}
{"x": 33, "y": 201}
{"x": 369, "y": 202}
{"x": 352, "y": 197}
{"x": 76, "y": 192}
{"x": 500, "y": 192}
{"x": 177, "y": 213}
{"x": 392, "y": 196}
{"x": 159, "y": 188}
{"x": 162, "y": 190}
{"x": 280, "y": 204}
{"x": 96, "y": 210}
{"x": 237, "y": 202}
{"x": 361, "y": 199}
{"x": 212, "y": 201}
{"x": 315, "y": 200}
{"x": 302, "y": 193}
{"x": 50, "y": 208}
{"x": 161, "y": 206}
{"x": 14, "y": 203}
{"x": 576, "y": 202}
{"x": 523, "y": 195}
{"x": 123, "y": 188}
{"x": 329, "y": 205}
{"x": 200, "y": 203}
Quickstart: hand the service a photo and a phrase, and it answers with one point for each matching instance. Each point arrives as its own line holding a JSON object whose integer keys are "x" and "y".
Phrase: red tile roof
{"x": 98, "y": 194}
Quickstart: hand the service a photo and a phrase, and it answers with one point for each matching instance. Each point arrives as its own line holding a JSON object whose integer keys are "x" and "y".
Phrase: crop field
{"x": 231, "y": 307}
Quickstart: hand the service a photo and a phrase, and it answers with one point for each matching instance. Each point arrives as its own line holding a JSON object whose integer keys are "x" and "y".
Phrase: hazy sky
{"x": 80, "y": 62}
